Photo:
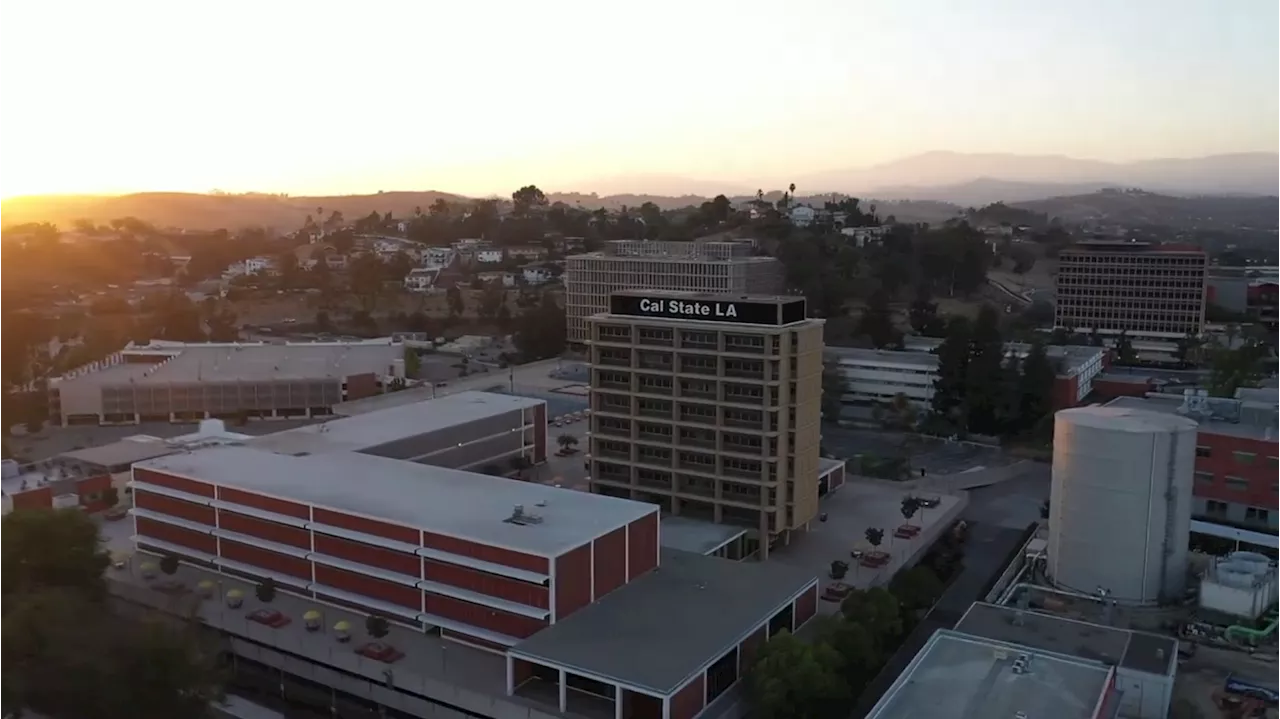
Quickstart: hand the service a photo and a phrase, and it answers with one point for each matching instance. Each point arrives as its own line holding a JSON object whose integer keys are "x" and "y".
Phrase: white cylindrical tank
{"x": 1120, "y": 507}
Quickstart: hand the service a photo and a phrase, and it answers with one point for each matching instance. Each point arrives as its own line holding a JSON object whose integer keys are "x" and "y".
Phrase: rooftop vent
{"x": 521, "y": 517}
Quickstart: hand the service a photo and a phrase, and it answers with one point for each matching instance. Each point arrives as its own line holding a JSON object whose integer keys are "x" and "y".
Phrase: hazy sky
{"x": 478, "y": 97}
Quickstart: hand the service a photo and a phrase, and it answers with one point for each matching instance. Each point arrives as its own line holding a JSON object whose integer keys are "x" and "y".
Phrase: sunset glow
{"x": 296, "y": 97}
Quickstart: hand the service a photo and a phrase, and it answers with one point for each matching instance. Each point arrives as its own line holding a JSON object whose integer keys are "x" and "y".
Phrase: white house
{"x": 506, "y": 279}
{"x": 439, "y": 257}
{"x": 488, "y": 256}
{"x": 535, "y": 275}
{"x": 803, "y": 216}
{"x": 420, "y": 279}
{"x": 863, "y": 236}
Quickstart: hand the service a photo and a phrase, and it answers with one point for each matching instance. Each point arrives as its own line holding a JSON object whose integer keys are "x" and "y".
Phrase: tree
{"x": 493, "y": 298}
{"x": 794, "y": 680}
{"x": 1035, "y": 386}
{"x": 266, "y": 590}
{"x": 923, "y": 315}
{"x": 457, "y": 305}
{"x": 169, "y": 564}
{"x": 953, "y": 366}
{"x": 875, "y": 536}
{"x": 876, "y": 321}
{"x": 527, "y": 198}
{"x": 377, "y": 626}
{"x": 566, "y": 441}
{"x": 984, "y": 385}
{"x": 412, "y": 363}
{"x": 910, "y": 505}
{"x": 111, "y": 497}
{"x": 878, "y": 611}
{"x": 834, "y": 387}
{"x": 1231, "y": 369}
{"x": 542, "y": 330}
{"x": 51, "y": 549}
{"x": 365, "y": 278}
{"x": 1125, "y": 354}
{"x": 861, "y": 658}
{"x": 916, "y": 588}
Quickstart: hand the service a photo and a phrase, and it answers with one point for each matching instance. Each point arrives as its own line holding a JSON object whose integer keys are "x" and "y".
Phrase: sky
{"x": 486, "y": 96}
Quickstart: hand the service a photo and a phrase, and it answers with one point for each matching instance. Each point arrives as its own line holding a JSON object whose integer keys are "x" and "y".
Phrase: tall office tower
{"x": 708, "y": 406}
{"x": 1131, "y": 286}
{"x": 729, "y": 267}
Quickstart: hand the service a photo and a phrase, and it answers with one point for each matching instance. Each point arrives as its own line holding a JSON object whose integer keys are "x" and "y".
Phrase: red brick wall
{"x": 388, "y": 559}
{"x": 750, "y": 648}
{"x": 573, "y": 581}
{"x": 485, "y": 553}
{"x": 189, "y": 511}
{"x": 806, "y": 606}
{"x": 266, "y": 559}
{"x": 181, "y": 484}
{"x": 398, "y": 594}
{"x": 521, "y": 671}
{"x": 91, "y": 485}
{"x": 352, "y": 523}
{"x": 262, "y": 529}
{"x": 1110, "y": 390}
{"x": 512, "y": 590}
{"x": 177, "y": 535}
{"x": 1064, "y": 392}
{"x": 512, "y": 625}
{"x": 642, "y": 545}
{"x": 39, "y": 498}
{"x": 540, "y": 433}
{"x": 690, "y": 700}
{"x": 266, "y": 504}
{"x": 1222, "y": 463}
{"x": 610, "y": 562}
{"x": 361, "y": 385}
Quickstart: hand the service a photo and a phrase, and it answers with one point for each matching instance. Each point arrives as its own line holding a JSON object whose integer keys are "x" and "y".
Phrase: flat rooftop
{"x": 695, "y": 535}
{"x": 362, "y": 431}
{"x": 660, "y": 629}
{"x": 461, "y": 504}
{"x": 246, "y": 363}
{"x": 123, "y": 452}
{"x": 1256, "y": 421}
{"x": 708, "y": 296}
{"x": 958, "y": 677}
{"x": 1140, "y": 651}
{"x": 858, "y": 355}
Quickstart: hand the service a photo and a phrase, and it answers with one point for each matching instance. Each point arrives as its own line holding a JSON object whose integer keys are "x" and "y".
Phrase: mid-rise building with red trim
{"x": 573, "y": 590}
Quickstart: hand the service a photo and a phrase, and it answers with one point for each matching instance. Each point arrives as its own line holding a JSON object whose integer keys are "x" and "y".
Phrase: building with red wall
{"x": 1236, "y": 450}
{"x": 357, "y": 516}
{"x": 54, "y": 488}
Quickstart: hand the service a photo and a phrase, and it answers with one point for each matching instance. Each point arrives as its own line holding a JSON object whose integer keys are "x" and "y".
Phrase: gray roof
{"x": 220, "y": 362}
{"x": 1139, "y": 651}
{"x": 857, "y": 355}
{"x": 695, "y": 535}
{"x": 956, "y": 677}
{"x": 662, "y": 628}
{"x": 371, "y": 429}
{"x": 461, "y": 504}
{"x": 125, "y": 451}
{"x": 1229, "y": 417}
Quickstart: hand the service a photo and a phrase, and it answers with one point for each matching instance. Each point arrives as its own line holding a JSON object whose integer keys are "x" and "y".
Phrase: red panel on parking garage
{"x": 477, "y": 615}
{"x": 161, "y": 504}
{"x": 265, "y": 559}
{"x": 180, "y": 484}
{"x": 266, "y": 504}
{"x": 361, "y": 553}
{"x": 485, "y": 552}
{"x": 399, "y": 594}
{"x": 806, "y": 606}
{"x": 610, "y": 562}
{"x": 180, "y": 536}
{"x": 352, "y": 523}
{"x": 263, "y": 529}
{"x": 751, "y": 646}
{"x": 540, "y": 433}
{"x": 512, "y": 590}
{"x": 642, "y": 545}
{"x": 572, "y": 581}
{"x": 690, "y": 700}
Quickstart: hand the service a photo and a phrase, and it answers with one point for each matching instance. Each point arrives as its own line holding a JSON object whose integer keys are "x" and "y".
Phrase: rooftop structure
{"x": 1243, "y": 418}
{"x": 957, "y": 676}
{"x": 118, "y": 456}
{"x": 687, "y": 613}
{"x": 460, "y": 504}
{"x": 719, "y": 267}
{"x": 180, "y": 381}
{"x": 376, "y": 432}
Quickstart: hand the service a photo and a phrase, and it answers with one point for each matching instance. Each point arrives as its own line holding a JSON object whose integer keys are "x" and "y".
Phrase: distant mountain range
{"x": 926, "y": 188}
